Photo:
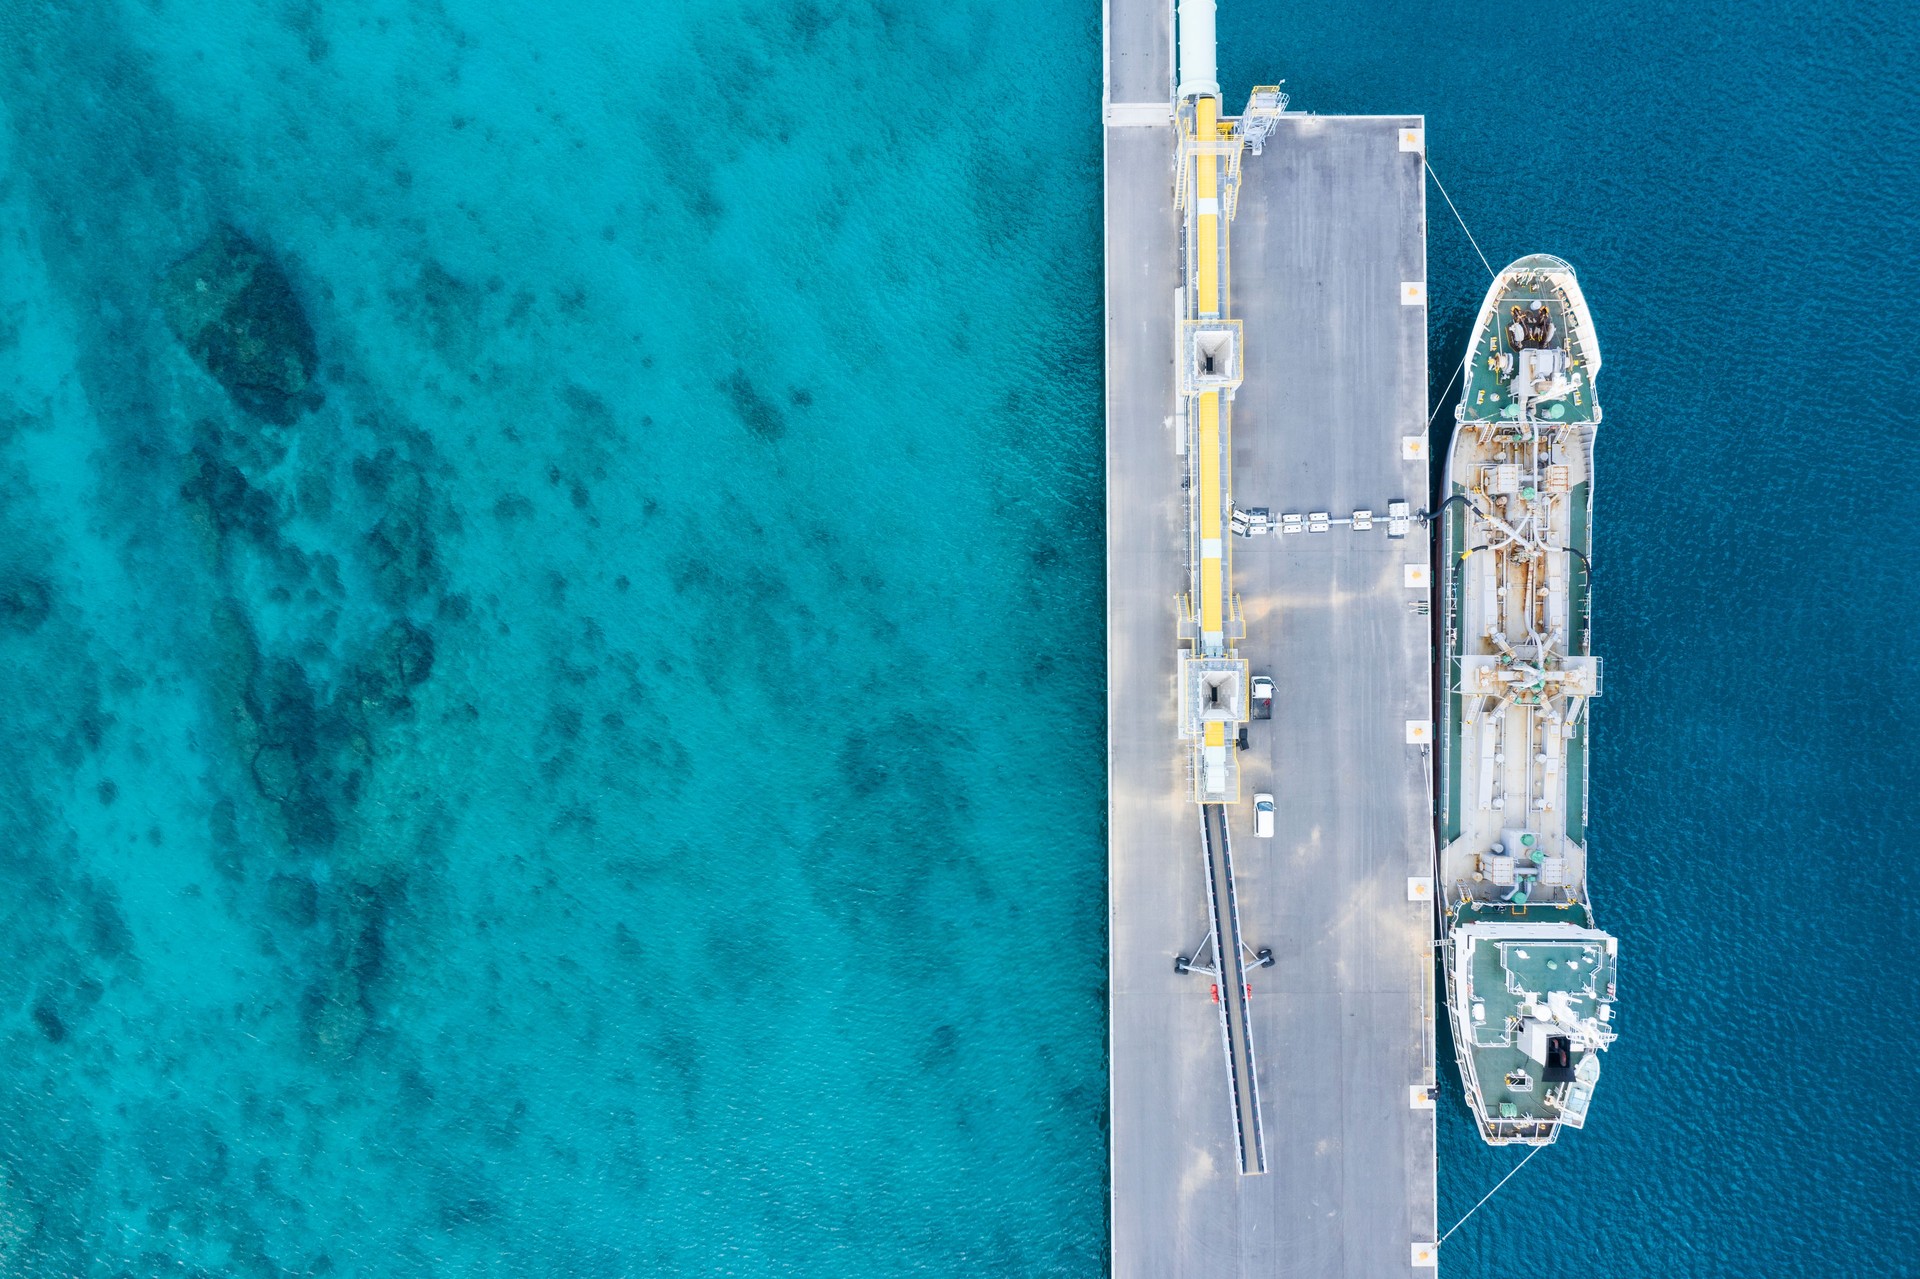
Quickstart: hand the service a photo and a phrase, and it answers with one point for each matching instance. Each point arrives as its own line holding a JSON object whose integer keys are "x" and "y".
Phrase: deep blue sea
{"x": 1734, "y": 183}
{"x": 610, "y": 780}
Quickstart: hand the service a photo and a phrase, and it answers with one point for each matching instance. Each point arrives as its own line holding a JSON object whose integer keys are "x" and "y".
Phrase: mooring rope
{"x": 1438, "y": 404}
{"x": 1457, "y": 218}
{"x": 1483, "y": 1198}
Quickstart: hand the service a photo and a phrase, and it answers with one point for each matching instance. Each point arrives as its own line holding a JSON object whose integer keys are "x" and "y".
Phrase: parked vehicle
{"x": 1263, "y": 815}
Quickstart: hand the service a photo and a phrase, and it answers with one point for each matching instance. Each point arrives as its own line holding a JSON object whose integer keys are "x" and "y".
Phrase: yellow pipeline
{"x": 1209, "y": 286}
{"x": 1206, "y": 190}
{"x": 1206, "y": 222}
{"x": 1210, "y": 530}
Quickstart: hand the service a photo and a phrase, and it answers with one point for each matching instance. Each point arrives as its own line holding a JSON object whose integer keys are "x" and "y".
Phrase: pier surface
{"x": 1331, "y": 226}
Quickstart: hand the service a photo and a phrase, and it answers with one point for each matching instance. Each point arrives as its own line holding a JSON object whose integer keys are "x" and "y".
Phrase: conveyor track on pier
{"x": 1243, "y": 1084}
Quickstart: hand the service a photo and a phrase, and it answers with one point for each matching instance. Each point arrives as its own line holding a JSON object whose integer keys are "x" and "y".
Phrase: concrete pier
{"x": 1328, "y": 279}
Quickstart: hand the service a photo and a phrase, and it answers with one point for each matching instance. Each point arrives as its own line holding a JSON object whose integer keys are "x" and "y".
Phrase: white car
{"x": 1263, "y": 815}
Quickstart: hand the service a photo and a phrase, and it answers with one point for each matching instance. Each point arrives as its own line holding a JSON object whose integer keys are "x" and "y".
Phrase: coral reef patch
{"x": 234, "y": 310}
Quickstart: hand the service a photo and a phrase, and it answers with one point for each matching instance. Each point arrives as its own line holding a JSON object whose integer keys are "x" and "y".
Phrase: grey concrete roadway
{"x": 1330, "y": 224}
{"x": 1139, "y": 53}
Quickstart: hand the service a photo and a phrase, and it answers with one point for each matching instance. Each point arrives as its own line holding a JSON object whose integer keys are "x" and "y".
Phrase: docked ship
{"x": 1529, "y": 973}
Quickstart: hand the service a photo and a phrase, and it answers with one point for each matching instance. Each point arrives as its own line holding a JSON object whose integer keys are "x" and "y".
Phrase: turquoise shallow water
{"x": 616, "y": 789}
{"x": 693, "y": 911}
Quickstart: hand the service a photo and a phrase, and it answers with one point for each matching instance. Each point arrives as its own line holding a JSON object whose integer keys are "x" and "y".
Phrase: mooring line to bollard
{"x": 1443, "y": 395}
{"x": 1483, "y": 1198}
{"x": 1457, "y": 218}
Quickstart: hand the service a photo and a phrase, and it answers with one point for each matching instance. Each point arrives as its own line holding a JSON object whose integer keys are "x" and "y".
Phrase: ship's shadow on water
{"x": 523, "y": 715}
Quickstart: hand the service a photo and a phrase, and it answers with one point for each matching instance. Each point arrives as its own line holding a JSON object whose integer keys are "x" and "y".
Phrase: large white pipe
{"x": 1197, "y": 70}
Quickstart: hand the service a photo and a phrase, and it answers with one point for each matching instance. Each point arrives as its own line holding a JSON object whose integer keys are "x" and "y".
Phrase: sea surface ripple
{"x": 616, "y": 787}
{"x": 1736, "y": 185}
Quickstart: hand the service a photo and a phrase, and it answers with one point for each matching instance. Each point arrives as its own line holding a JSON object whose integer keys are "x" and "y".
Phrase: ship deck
{"x": 1465, "y": 828}
{"x": 1486, "y": 392}
{"x": 1507, "y": 1076}
{"x": 1463, "y": 617}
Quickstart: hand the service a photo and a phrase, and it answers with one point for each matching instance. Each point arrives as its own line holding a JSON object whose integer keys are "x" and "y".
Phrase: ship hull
{"x": 1529, "y": 976}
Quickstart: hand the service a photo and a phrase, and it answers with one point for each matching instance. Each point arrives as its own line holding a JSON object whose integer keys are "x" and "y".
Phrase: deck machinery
{"x": 1213, "y": 681}
{"x": 1530, "y": 975}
